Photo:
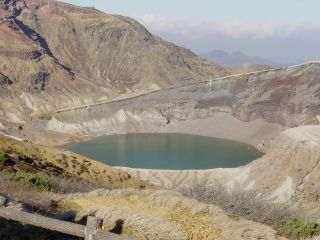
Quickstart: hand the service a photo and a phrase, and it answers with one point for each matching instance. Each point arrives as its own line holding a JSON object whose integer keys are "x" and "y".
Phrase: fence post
{"x": 93, "y": 225}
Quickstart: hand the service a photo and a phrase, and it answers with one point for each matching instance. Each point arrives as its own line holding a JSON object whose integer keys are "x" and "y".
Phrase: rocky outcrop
{"x": 39, "y": 80}
{"x": 12, "y": 7}
{"x": 4, "y": 80}
{"x": 313, "y": 121}
{"x": 21, "y": 54}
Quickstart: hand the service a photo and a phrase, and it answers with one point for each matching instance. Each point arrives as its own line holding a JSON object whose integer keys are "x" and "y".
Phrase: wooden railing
{"x": 92, "y": 231}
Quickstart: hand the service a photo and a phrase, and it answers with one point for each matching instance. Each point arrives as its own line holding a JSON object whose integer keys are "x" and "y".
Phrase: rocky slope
{"x": 248, "y": 69}
{"x": 55, "y": 55}
{"x": 292, "y": 169}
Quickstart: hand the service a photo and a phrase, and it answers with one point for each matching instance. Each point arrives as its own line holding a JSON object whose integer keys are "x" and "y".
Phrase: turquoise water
{"x": 166, "y": 151}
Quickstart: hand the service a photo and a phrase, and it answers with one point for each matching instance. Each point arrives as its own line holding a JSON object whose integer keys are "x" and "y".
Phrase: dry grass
{"x": 147, "y": 214}
{"x": 143, "y": 219}
{"x": 162, "y": 214}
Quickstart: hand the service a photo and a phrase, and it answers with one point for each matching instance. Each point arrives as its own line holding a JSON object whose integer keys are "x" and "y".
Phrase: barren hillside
{"x": 56, "y": 55}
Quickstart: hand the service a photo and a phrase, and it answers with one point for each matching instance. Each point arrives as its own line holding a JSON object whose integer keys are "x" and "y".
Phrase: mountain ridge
{"x": 116, "y": 57}
{"x": 238, "y": 59}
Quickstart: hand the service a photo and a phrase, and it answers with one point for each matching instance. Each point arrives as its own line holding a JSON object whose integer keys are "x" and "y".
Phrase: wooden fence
{"x": 92, "y": 231}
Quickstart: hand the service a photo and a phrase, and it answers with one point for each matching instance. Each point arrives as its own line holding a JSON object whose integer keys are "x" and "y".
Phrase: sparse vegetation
{"x": 36, "y": 191}
{"x": 2, "y": 157}
{"x": 240, "y": 203}
{"x": 30, "y": 196}
{"x": 58, "y": 184}
{"x": 39, "y": 180}
{"x": 300, "y": 229}
{"x": 66, "y": 184}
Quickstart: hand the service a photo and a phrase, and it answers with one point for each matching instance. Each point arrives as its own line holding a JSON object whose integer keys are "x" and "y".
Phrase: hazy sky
{"x": 285, "y": 31}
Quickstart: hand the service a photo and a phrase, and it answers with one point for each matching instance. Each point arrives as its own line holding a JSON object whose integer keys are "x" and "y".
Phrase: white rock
{"x": 2, "y": 127}
{"x": 3, "y": 200}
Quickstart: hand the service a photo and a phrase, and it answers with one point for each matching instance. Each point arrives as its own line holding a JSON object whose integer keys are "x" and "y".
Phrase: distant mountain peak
{"x": 219, "y": 52}
{"x": 238, "y": 53}
{"x": 238, "y": 59}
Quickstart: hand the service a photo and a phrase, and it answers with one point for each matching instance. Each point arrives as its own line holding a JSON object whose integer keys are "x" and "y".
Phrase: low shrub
{"x": 240, "y": 203}
{"x": 67, "y": 184}
{"x": 300, "y": 229}
{"x": 39, "y": 180}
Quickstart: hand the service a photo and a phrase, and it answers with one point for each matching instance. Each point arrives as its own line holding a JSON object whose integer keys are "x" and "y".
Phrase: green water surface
{"x": 166, "y": 151}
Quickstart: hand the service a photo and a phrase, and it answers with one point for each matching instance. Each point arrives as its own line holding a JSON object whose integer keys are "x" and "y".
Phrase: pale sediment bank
{"x": 221, "y": 125}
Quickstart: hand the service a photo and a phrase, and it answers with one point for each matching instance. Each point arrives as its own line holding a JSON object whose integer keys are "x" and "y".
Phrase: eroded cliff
{"x": 286, "y": 97}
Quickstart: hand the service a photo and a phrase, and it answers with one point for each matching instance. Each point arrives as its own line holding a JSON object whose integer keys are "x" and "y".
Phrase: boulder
{"x": 3, "y": 200}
